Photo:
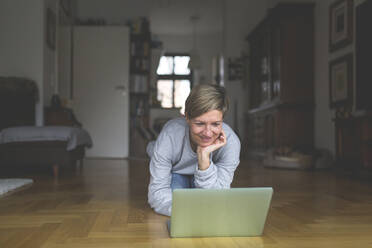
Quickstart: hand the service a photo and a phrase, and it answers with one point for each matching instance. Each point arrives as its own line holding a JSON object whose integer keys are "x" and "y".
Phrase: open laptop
{"x": 219, "y": 212}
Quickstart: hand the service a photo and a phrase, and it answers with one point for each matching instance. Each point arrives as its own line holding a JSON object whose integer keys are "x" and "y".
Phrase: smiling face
{"x": 206, "y": 128}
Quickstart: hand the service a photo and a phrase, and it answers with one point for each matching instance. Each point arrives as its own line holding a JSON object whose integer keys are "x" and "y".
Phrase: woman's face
{"x": 205, "y": 129}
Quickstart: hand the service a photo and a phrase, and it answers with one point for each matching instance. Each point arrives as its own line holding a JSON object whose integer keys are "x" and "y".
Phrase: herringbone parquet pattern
{"x": 105, "y": 206}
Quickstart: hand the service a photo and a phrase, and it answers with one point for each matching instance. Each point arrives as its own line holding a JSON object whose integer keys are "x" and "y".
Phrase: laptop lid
{"x": 219, "y": 212}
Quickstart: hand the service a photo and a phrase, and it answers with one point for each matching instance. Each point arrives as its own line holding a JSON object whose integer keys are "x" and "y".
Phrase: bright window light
{"x": 181, "y": 92}
{"x": 165, "y": 66}
{"x": 165, "y": 93}
{"x": 180, "y": 65}
{"x": 174, "y": 81}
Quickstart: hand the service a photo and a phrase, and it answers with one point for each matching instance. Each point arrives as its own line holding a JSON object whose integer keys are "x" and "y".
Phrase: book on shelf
{"x": 138, "y": 83}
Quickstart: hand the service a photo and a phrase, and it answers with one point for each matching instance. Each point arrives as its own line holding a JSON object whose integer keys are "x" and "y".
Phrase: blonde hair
{"x": 204, "y": 98}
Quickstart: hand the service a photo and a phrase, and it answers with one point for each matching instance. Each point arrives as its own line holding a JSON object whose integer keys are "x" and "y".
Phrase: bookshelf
{"x": 140, "y": 61}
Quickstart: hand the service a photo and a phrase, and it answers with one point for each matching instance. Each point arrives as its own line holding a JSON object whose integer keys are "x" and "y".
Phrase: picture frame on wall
{"x": 340, "y": 24}
{"x": 51, "y": 29}
{"x": 340, "y": 81}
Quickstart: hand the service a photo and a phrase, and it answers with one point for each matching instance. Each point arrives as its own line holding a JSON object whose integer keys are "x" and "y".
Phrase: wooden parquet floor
{"x": 106, "y": 206}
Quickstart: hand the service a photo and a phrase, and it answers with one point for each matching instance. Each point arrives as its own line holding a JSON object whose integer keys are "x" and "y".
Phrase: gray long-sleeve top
{"x": 172, "y": 153}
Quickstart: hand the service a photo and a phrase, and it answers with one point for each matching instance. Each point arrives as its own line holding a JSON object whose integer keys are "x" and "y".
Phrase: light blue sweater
{"x": 172, "y": 153}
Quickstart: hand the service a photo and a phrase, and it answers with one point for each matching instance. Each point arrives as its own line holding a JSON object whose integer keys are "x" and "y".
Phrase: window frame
{"x": 173, "y": 77}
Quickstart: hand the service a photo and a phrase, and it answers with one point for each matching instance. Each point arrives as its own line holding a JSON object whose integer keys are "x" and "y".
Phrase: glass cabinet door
{"x": 275, "y": 62}
{"x": 265, "y": 68}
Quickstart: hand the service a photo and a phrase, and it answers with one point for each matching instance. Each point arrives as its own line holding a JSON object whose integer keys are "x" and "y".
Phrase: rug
{"x": 13, "y": 184}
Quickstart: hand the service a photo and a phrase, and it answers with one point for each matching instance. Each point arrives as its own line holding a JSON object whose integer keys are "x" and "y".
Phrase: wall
{"x": 241, "y": 17}
{"x": 113, "y": 11}
{"x": 64, "y": 52}
{"x": 21, "y": 43}
{"x": 50, "y": 57}
{"x": 23, "y": 48}
{"x": 324, "y": 126}
{"x": 324, "y": 129}
{"x": 64, "y": 62}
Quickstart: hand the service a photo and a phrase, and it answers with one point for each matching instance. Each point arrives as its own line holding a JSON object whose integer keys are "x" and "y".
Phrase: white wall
{"x": 241, "y": 17}
{"x": 23, "y": 47}
{"x": 50, "y": 58}
{"x": 21, "y": 43}
{"x": 64, "y": 62}
{"x": 64, "y": 54}
{"x": 113, "y": 11}
{"x": 324, "y": 126}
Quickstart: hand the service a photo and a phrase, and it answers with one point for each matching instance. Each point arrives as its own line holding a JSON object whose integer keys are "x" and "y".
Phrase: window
{"x": 174, "y": 81}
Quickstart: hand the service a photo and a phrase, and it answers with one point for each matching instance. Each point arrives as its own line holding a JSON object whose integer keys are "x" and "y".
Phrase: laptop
{"x": 234, "y": 212}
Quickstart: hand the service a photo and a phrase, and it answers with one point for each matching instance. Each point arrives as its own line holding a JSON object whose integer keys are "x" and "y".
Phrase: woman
{"x": 197, "y": 150}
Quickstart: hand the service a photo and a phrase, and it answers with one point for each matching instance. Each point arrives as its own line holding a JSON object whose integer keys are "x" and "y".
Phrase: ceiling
{"x": 173, "y": 16}
{"x": 166, "y": 16}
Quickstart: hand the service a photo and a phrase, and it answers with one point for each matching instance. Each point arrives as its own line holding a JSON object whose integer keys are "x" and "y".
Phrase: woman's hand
{"x": 204, "y": 152}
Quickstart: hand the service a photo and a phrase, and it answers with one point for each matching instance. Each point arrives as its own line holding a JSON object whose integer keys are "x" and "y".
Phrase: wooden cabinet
{"x": 354, "y": 142}
{"x": 281, "y": 79}
{"x": 277, "y": 126}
